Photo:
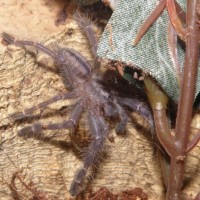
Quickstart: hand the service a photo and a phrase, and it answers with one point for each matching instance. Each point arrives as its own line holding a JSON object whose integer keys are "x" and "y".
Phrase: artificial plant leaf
{"x": 152, "y": 53}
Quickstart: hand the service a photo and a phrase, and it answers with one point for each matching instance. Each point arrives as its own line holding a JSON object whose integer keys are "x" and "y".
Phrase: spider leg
{"x": 11, "y": 40}
{"x": 71, "y": 123}
{"x": 108, "y": 110}
{"x": 75, "y": 115}
{"x": 37, "y": 127}
{"x": 99, "y": 130}
{"x": 140, "y": 108}
{"x": 119, "y": 112}
{"x": 29, "y": 112}
{"x": 120, "y": 128}
{"x": 85, "y": 23}
{"x": 69, "y": 60}
{"x": 63, "y": 56}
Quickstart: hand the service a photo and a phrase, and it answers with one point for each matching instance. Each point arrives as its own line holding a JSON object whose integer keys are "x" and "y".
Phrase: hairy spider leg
{"x": 141, "y": 108}
{"x": 63, "y": 57}
{"x": 72, "y": 61}
{"x": 28, "y": 112}
{"x": 71, "y": 123}
{"x": 108, "y": 110}
{"x": 76, "y": 114}
{"x": 120, "y": 127}
{"x": 86, "y": 25}
{"x": 11, "y": 40}
{"x": 37, "y": 127}
{"x": 99, "y": 131}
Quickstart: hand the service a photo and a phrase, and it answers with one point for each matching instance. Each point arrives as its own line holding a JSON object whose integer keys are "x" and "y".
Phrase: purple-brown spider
{"x": 83, "y": 84}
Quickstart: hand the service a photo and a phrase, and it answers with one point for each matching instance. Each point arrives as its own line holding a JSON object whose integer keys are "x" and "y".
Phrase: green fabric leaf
{"x": 152, "y": 52}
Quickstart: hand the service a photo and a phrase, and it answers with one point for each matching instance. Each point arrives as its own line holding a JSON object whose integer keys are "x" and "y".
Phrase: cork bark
{"x": 28, "y": 77}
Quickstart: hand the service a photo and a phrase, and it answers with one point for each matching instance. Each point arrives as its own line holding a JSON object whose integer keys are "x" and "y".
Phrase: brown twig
{"x": 178, "y": 145}
{"x": 197, "y": 197}
{"x": 151, "y": 19}
{"x": 195, "y": 140}
{"x": 158, "y": 100}
{"x": 184, "y": 114}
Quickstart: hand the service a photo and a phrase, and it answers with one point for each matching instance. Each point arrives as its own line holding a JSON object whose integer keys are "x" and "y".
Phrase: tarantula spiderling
{"x": 82, "y": 82}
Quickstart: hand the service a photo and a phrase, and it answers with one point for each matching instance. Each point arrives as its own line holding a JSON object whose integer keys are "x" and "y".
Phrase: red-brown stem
{"x": 184, "y": 114}
{"x": 150, "y": 20}
{"x": 163, "y": 130}
{"x": 193, "y": 142}
{"x": 164, "y": 165}
{"x": 197, "y": 197}
{"x": 175, "y": 20}
{"x": 172, "y": 42}
{"x": 159, "y": 100}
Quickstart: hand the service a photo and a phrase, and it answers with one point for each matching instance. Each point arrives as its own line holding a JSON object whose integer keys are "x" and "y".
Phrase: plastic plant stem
{"x": 150, "y": 20}
{"x": 158, "y": 101}
{"x": 175, "y": 20}
{"x": 173, "y": 49}
{"x": 197, "y": 197}
{"x": 184, "y": 114}
{"x": 177, "y": 16}
{"x": 164, "y": 165}
{"x": 193, "y": 142}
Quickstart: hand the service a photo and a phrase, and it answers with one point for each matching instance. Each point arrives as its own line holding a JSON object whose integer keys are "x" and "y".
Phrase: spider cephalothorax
{"x": 92, "y": 98}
